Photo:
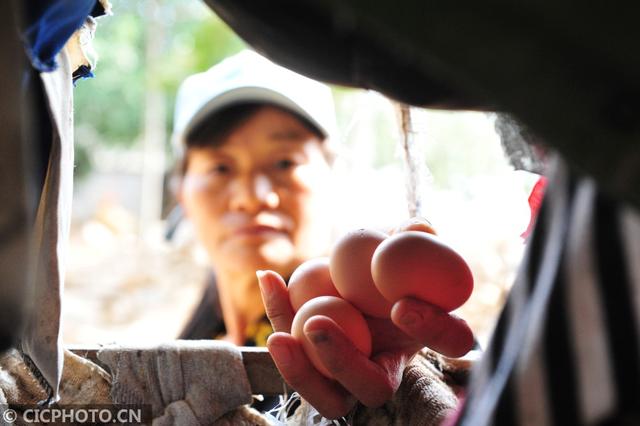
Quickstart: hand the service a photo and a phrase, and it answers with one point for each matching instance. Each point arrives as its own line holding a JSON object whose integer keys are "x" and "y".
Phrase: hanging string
{"x": 413, "y": 160}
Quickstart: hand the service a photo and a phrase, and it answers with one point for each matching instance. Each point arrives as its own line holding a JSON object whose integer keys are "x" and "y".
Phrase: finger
{"x": 433, "y": 327}
{"x": 327, "y": 396}
{"x": 387, "y": 337}
{"x": 276, "y": 300}
{"x": 416, "y": 224}
{"x": 372, "y": 383}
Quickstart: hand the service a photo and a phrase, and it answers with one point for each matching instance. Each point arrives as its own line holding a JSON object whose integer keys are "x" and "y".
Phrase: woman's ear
{"x": 177, "y": 179}
{"x": 180, "y": 192}
{"x": 176, "y": 185}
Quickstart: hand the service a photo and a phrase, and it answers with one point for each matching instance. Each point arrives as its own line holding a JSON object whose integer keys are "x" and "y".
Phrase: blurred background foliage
{"x": 110, "y": 107}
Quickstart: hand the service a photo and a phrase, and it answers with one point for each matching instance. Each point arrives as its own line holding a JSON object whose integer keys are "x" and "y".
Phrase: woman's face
{"x": 259, "y": 199}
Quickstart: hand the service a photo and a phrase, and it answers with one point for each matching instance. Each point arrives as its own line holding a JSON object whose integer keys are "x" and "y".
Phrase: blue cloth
{"x": 48, "y": 26}
{"x": 82, "y": 72}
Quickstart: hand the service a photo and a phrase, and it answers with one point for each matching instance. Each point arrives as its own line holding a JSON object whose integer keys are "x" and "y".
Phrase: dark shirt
{"x": 207, "y": 321}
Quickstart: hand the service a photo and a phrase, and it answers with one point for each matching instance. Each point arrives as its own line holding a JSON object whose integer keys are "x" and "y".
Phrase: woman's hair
{"x": 212, "y": 131}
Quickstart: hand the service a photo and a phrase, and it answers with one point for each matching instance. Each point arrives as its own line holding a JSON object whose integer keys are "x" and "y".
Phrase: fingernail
{"x": 281, "y": 352}
{"x": 266, "y": 286}
{"x": 317, "y": 337}
{"x": 410, "y": 318}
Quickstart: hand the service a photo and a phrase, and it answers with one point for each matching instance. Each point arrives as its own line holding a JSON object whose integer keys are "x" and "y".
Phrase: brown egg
{"x": 344, "y": 314}
{"x": 416, "y": 224}
{"x": 350, "y": 266}
{"x": 419, "y": 265}
{"x": 310, "y": 279}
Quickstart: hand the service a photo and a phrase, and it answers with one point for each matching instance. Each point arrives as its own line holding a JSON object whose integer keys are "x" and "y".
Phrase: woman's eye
{"x": 220, "y": 169}
{"x": 285, "y": 164}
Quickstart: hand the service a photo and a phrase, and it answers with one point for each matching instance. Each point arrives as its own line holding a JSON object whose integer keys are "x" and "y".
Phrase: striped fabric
{"x": 566, "y": 349}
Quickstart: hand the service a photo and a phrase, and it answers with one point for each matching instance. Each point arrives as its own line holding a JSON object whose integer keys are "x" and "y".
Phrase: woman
{"x": 254, "y": 181}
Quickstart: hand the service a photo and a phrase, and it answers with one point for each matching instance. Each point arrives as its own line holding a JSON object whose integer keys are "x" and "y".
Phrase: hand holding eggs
{"x": 348, "y": 318}
{"x": 367, "y": 273}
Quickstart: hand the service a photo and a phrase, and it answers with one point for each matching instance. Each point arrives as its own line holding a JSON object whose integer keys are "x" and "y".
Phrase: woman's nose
{"x": 254, "y": 193}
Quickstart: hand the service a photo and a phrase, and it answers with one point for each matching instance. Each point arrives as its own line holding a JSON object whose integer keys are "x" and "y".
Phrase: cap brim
{"x": 249, "y": 94}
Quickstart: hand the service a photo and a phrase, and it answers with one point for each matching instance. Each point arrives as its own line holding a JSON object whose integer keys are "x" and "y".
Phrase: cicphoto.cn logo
{"x": 58, "y": 414}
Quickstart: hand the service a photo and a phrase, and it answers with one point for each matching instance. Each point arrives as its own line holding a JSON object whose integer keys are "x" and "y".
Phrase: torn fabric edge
{"x": 50, "y": 24}
{"x": 41, "y": 340}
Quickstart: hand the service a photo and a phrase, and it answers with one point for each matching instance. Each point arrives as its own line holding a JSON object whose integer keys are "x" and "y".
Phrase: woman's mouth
{"x": 255, "y": 230}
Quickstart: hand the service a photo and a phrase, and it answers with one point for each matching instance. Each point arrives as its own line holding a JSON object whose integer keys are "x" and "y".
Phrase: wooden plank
{"x": 263, "y": 375}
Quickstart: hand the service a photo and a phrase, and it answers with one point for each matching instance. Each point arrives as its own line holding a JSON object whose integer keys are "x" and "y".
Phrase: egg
{"x": 350, "y": 267}
{"x": 344, "y": 314}
{"x": 419, "y": 265}
{"x": 311, "y": 279}
{"x": 417, "y": 224}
